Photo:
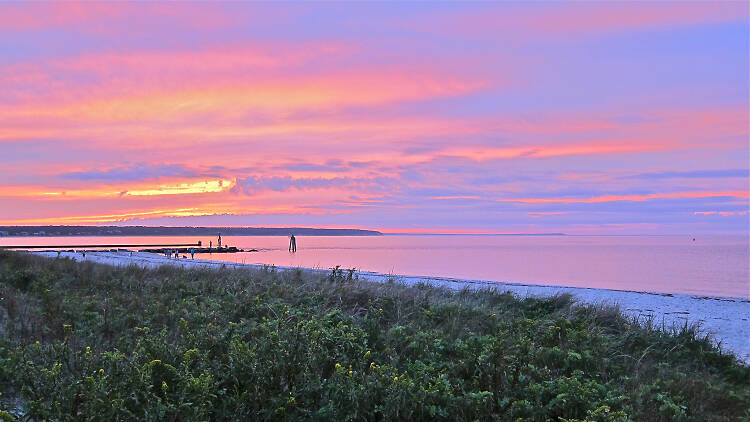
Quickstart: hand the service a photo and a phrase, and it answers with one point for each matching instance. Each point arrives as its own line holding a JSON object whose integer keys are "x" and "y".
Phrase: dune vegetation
{"x": 83, "y": 341}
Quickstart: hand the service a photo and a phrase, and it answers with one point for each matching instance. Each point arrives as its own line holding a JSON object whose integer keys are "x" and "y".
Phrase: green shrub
{"x": 101, "y": 343}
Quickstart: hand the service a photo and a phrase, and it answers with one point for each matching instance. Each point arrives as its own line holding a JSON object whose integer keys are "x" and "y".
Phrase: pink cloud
{"x": 637, "y": 198}
{"x": 537, "y": 214}
{"x": 721, "y": 213}
{"x": 99, "y": 18}
{"x": 450, "y": 197}
{"x": 117, "y": 74}
{"x": 571, "y": 19}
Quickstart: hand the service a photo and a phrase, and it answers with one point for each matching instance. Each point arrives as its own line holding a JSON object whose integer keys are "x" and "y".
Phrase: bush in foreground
{"x": 86, "y": 341}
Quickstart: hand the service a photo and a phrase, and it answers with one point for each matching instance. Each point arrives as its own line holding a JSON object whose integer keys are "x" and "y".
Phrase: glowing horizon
{"x": 581, "y": 118}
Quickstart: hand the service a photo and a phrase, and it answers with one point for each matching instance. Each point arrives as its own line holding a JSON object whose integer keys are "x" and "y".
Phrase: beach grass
{"x": 85, "y": 341}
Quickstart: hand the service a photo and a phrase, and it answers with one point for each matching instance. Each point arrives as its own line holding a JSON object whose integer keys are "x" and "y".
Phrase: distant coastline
{"x": 475, "y": 234}
{"x": 47, "y": 231}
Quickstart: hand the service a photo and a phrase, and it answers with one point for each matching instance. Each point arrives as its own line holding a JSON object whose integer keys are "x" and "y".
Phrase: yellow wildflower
{"x": 164, "y": 386}
{"x": 395, "y": 379}
{"x": 367, "y": 355}
{"x": 101, "y": 371}
{"x": 338, "y": 366}
{"x": 350, "y": 372}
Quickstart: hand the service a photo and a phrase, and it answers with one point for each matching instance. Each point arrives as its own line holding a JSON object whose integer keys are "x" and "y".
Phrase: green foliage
{"x": 85, "y": 341}
{"x": 338, "y": 275}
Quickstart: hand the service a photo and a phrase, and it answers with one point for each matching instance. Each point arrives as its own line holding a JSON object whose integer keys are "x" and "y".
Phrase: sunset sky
{"x": 583, "y": 118}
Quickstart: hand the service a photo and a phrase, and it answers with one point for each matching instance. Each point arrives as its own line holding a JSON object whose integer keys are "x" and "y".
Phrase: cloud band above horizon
{"x": 461, "y": 117}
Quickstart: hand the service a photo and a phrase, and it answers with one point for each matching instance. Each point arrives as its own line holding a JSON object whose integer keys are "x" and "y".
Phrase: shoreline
{"x": 726, "y": 319}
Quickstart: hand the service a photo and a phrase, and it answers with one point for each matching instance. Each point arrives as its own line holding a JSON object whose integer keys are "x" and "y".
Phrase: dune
{"x": 726, "y": 320}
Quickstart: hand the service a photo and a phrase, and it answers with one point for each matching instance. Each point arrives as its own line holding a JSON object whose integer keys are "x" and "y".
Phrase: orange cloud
{"x": 120, "y": 190}
{"x": 201, "y": 210}
{"x": 334, "y": 91}
{"x": 106, "y": 218}
{"x": 228, "y": 109}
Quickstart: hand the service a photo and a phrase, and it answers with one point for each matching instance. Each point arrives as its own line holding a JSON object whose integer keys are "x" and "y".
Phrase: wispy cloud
{"x": 628, "y": 197}
{"x": 563, "y": 21}
{"x": 693, "y": 174}
{"x": 721, "y": 213}
{"x": 254, "y": 184}
{"x": 136, "y": 172}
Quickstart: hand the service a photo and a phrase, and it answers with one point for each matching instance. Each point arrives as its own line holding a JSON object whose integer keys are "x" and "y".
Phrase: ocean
{"x": 711, "y": 266}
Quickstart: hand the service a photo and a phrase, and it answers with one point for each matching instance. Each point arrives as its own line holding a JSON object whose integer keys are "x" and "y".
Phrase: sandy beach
{"x": 727, "y": 320}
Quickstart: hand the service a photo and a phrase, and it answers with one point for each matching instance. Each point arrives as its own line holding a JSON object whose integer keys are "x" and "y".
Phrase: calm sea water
{"x": 714, "y": 266}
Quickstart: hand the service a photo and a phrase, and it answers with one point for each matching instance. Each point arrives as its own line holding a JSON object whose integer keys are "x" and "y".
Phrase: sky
{"x": 439, "y": 117}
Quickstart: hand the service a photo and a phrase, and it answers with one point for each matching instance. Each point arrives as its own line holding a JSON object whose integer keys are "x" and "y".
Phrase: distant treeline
{"x": 176, "y": 231}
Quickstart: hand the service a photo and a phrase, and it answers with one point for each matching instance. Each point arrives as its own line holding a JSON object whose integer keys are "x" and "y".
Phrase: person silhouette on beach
{"x": 292, "y": 244}
{"x": 192, "y": 253}
{"x": 218, "y": 245}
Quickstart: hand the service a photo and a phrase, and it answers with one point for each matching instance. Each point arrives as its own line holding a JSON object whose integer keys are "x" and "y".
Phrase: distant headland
{"x": 176, "y": 231}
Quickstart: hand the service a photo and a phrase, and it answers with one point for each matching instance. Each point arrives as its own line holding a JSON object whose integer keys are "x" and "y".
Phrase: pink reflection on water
{"x": 711, "y": 266}
{"x": 715, "y": 266}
